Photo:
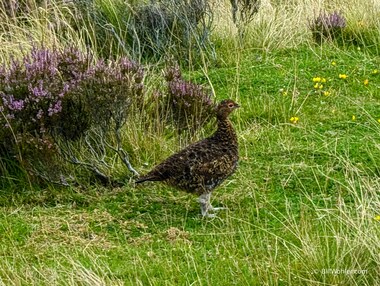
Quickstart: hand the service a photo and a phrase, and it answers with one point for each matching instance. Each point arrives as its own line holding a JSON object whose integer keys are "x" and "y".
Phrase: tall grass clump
{"x": 356, "y": 29}
{"x": 151, "y": 30}
{"x": 287, "y": 24}
{"x": 54, "y": 103}
{"x": 104, "y": 25}
{"x": 51, "y": 23}
{"x": 171, "y": 27}
{"x": 363, "y": 26}
{"x": 333, "y": 240}
{"x": 272, "y": 25}
{"x": 19, "y": 9}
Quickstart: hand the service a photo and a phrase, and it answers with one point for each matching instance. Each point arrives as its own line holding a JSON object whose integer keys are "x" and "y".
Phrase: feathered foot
{"x": 206, "y": 206}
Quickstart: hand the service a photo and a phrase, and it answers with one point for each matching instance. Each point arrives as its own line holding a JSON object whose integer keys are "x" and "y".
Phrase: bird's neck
{"x": 225, "y": 130}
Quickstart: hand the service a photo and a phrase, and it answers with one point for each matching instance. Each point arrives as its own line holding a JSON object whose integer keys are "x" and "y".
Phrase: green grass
{"x": 303, "y": 206}
{"x": 303, "y": 201}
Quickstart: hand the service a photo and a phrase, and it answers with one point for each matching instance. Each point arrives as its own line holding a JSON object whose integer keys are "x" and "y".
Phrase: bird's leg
{"x": 204, "y": 201}
{"x": 206, "y": 206}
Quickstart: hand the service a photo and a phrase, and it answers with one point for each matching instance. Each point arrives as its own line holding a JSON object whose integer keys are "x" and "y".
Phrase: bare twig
{"x": 100, "y": 153}
{"x": 123, "y": 155}
{"x": 67, "y": 154}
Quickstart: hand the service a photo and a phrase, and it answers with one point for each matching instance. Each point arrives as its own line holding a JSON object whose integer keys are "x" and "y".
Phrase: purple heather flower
{"x": 38, "y": 91}
{"x": 329, "y": 21}
{"x": 16, "y": 105}
{"x": 127, "y": 65}
{"x": 65, "y": 89}
{"x": 326, "y": 26}
{"x": 55, "y": 109}
{"x": 11, "y": 103}
{"x": 40, "y": 81}
{"x": 335, "y": 20}
{"x": 173, "y": 73}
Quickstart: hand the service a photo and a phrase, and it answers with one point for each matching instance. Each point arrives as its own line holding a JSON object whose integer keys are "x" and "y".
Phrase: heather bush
{"x": 31, "y": 94}
{"x": 189, "y": 104}
{"x": 51, "y": 98}
{"x": 327, "y": 27}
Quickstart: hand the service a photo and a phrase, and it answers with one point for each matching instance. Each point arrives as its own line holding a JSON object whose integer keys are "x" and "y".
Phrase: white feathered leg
{"x": 206, "y": 206}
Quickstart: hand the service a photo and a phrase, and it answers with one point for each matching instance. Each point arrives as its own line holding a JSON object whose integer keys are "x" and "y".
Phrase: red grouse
{"x": 202, "y": 166}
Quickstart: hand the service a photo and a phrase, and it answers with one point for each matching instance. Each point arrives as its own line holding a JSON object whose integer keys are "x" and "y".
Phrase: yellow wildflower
{"x": 377, "y": 217}
{"x": 326, "y": 93}
{"x": 378, "y": 120}
{"x": 317, "y": 79}
{"x": 318, "y": 86}
{"x": 333, "y": 63}
{"x": 283, "y": 92}
{"x": 375, "y": 71}
{"x": 353, "y": 117}
{"x": 294, "y": 119}
{"x": 342, "y": 76}
{"x": 366, "y": 82}
{"x": 323, "y": 80}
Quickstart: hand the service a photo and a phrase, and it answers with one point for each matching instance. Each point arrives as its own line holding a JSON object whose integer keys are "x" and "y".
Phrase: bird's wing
{"x": 215, "y": 167}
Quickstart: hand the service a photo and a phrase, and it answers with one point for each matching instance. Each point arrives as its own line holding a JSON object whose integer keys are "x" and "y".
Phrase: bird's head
{"x": 225, "y": 107}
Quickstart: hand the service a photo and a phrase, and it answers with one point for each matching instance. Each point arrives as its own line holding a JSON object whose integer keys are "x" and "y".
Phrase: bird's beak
{"x": 237, "y": 105}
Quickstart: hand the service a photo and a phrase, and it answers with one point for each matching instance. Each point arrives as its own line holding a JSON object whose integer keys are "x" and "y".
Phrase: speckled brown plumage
{"x": 202, "y": 166}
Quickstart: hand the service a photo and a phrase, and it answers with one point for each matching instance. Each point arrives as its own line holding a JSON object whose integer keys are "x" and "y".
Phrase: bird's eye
{"x": 230, "y": 105}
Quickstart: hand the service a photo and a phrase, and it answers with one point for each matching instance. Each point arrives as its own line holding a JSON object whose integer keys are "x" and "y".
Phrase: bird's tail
{"x": 147, "y": 178}
{"x": 141, "y": 180}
